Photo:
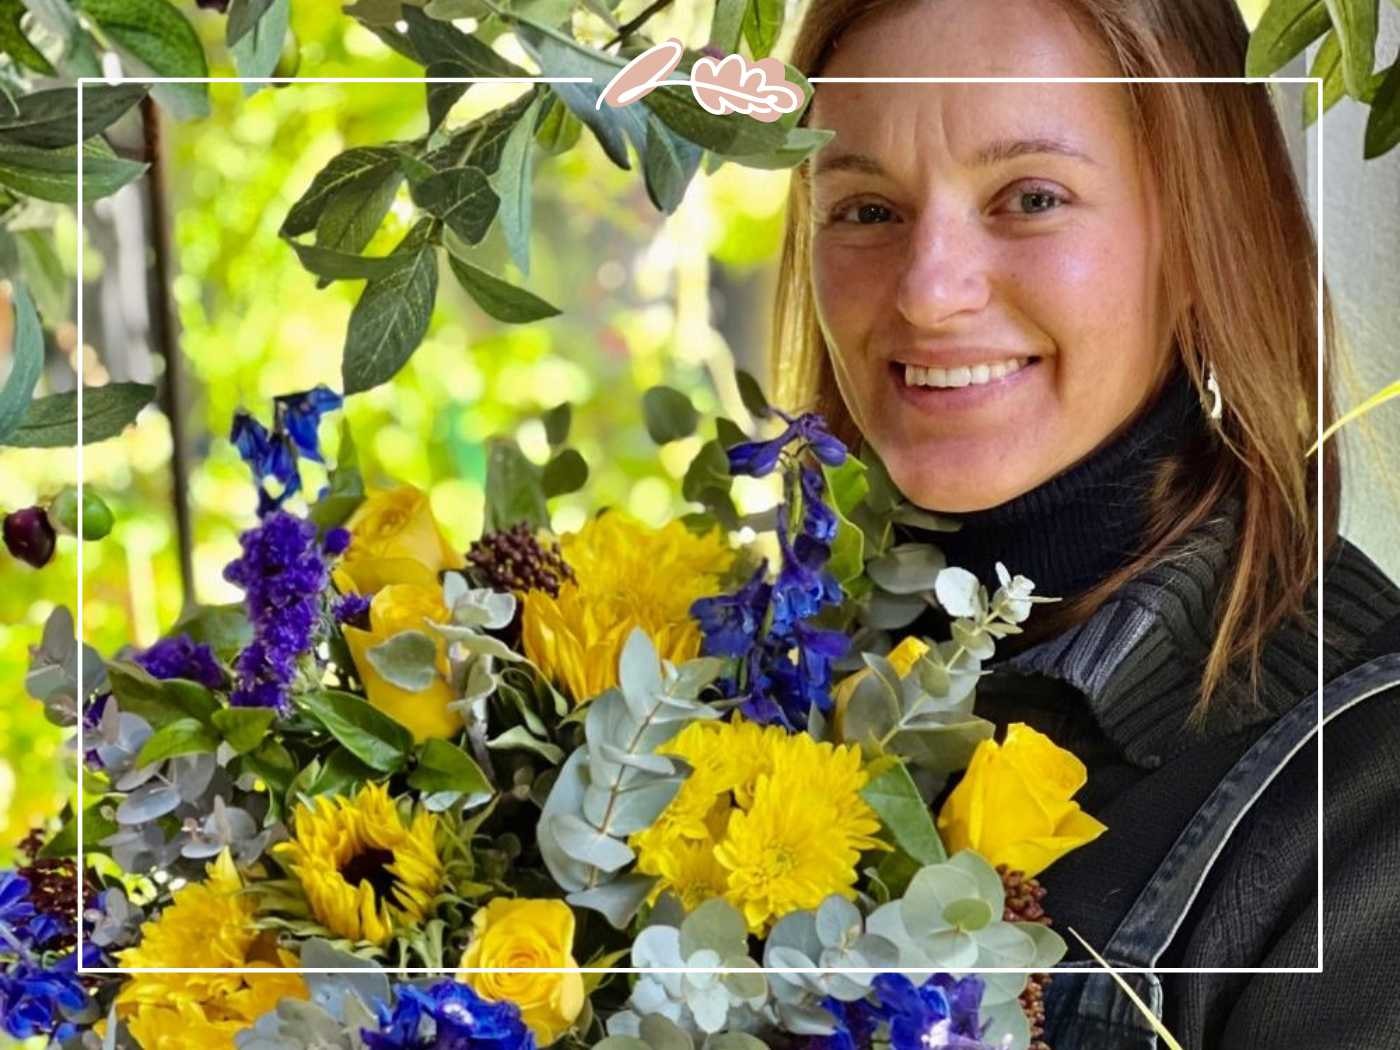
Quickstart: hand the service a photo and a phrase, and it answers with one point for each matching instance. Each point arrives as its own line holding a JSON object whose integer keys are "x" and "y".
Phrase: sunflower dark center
{"x": 371, "y": 866}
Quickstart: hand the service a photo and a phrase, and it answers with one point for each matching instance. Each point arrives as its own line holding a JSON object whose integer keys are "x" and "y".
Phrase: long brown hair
{"x": 1240, "y": 273}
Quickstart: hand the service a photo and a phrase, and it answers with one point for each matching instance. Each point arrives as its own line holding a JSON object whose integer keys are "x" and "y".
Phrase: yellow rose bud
{"x": 405, "y": 607}
{"x": 1013, "y": 804}
{"x": 902, "y": 657}
{"x": 394, "y": 538}
{"x": 527, "y": 933}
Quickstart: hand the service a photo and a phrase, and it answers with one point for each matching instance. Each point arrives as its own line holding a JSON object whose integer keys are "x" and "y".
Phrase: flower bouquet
{"x": 405, "y": 796}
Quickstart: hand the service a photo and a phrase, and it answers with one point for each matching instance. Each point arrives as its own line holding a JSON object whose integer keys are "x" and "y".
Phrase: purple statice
{"x": 283, "y": 574}
{"x": 272, "y": 454}
{"x": 447, "y": 1015}
{"x": 352, "y": 609}
{"x": 180, "y": 656}
{"x": 785, "y": 661}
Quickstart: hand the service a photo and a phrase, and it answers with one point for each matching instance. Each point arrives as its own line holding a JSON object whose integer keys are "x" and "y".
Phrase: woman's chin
{"x": 970, "y": 484}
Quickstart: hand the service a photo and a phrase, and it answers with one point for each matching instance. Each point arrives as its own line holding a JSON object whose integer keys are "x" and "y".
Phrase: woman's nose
{"x": 944, "y": 272}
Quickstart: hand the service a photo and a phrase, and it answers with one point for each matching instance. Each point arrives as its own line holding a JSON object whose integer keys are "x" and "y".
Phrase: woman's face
{"x": 986, "y": 257}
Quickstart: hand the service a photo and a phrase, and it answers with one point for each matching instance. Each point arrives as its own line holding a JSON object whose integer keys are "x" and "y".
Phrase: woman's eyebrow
{"x": 997, "y": 151}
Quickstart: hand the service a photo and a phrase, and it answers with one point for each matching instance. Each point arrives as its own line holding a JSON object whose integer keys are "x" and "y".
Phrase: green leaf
{"x": 512, "y": 183}
{"x": 1383, "y": 125}
{"x": 440, "y": 41}
{"x": 347, "y": 172}
{"x": 566, "y": 472}
{"x": 763, "y": 21}
{"x": 184, "y": 736}
{"x": 43, "y": 271}
{"x": 49, "y": 119}
{"x": 669, "y": 162}
{"x": 556, "y": 423}
{"x": 460, "y": 197}
{"x": 352, "y": 215}
{"x": 224, "y": 628}
{"x": 727, "y": 23}
{"x": 1327, "y": 67}
{"x": 669, "y": 414}
{"x": 1355, "y": 23}
{"x": 751, "y": 393}
{"x": 258, "y": 47}
{"x": 365, "y": 731}
{"x": 499, "y": 299}
{"x": 333, "y": 265}
{"x": 406, "y": 660}
{"x": 52, "y": 175}
{"x": 1284, "y": 30}
{"x": 560, "y": 55}
{"x": 480, "y": 142}
{"x": 243, "y": 17}
{"x": 96, "y": 827}
{"x": 347, "y": 487}
{"x": 274, "y": 764}
{"x": 244, "y": 727}
{"x": 439, "y": 97}
{"x": 799, "y": 144}
{"x": 52, "y": 421}
{"x": 341, "y": 774}
{"x": 514, "y": 488}
{"x": 443, "y": 766}
{"x": 14, "y": 43}
{"x": 559, "y": 130}
{"x": 28, "y": 362}
{"x": 156, "y": 33}
{"x": 77, "y": 57}
{"x": 391, "y": 317}
{"x": 893, "y": 796}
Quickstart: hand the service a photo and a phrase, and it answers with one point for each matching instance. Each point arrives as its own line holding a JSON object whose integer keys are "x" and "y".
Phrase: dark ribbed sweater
{"x": 1117, "y": 690}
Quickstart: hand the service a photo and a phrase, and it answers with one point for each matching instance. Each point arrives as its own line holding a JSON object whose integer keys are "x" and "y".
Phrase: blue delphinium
{"x": 283, "y": 574}
{"x": 943, "y": 1013}
{"x": 447, "y": 1015}
{"x": 179, "y": 656}
{"x": 785, "y": 660}
{"x": 36, "y": 997}
{"x": 272, "y": 454}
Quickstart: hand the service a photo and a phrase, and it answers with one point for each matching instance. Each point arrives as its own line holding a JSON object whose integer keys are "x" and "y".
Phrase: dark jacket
{"x": 1210, "y": 860}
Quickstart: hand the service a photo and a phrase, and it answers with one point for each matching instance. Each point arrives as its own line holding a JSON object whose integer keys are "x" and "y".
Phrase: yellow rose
{"x": 527, "y": 933}
{"x": 1013, "y": 804}
{"x": 394, "y": 539}
{"x": 403, "y": 607}
{"x": 903, "y": 657}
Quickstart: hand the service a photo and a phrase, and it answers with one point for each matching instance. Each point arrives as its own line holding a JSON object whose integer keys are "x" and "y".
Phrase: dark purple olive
{"x": 29, "y": 535}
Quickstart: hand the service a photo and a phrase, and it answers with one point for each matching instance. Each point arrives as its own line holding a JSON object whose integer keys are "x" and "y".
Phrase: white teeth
{"x": 977, "y": 375}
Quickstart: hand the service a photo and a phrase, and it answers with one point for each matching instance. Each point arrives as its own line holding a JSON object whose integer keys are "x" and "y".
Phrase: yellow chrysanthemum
{"x": 626, "y": 575}
{"x": 208, "y": 923}
{"x": 365, "y": 874}
{"x": 772, "y": 822}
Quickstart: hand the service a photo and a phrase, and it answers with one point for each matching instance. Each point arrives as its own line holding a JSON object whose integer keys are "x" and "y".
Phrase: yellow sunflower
{"x": 364, "y": 871}
{"x": 210, "y": 924}
{"x": 626, "y": 575}
{"x": 771, "y": 821}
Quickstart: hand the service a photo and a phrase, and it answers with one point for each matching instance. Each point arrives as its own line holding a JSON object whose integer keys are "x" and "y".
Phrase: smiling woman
{"x": 1082, "y": 318}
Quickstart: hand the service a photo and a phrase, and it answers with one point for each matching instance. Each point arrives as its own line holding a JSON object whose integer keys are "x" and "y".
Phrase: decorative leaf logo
{"x": 730, "y": 84}
{"x": 733, "y": 85}
{"x": 643, "y": 74}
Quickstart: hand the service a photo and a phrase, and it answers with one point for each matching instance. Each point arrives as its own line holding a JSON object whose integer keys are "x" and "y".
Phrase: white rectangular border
{"x": 1317, "y": 82}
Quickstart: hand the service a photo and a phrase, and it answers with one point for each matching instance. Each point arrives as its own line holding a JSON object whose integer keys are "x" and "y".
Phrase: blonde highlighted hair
{"x": 1239, "y": 271}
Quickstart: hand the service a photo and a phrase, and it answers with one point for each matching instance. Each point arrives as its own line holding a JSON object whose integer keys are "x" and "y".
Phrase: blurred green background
{"x": 645, "y": 299}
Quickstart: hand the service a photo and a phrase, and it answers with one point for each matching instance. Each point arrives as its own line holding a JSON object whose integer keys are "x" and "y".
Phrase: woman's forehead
{"x": 968, "y": 38}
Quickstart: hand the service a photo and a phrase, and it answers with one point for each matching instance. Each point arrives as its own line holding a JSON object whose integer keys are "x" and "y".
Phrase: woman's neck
{"x": 1074, "y": 530}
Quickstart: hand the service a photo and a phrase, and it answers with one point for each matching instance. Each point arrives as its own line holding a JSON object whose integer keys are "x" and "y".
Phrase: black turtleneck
{"x": 1072, "y": 531}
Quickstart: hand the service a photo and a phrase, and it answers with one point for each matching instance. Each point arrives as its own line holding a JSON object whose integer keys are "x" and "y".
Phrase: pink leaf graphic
{"x": 643, "y": 74}
{"x": 733, "y": 85}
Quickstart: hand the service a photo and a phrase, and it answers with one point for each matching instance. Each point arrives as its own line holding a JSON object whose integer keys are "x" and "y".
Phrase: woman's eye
{"x": 866, "y": 213}
{"x": 1036, "y": 200}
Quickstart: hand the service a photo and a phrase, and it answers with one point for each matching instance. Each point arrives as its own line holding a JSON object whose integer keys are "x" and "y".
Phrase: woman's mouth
{"x": 962, "y": 386}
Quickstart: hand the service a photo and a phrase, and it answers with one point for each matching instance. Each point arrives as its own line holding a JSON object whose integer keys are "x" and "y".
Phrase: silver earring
{"x": 1217, "y": 409}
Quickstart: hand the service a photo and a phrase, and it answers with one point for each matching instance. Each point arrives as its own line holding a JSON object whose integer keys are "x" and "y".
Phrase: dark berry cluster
{"x": 1023, "y": 897}
{"x": 514, "y": 560}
